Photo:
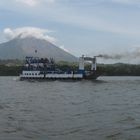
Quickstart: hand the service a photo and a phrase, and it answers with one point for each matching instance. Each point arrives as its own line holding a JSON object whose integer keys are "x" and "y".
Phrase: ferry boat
{"x": 45, "y": 69}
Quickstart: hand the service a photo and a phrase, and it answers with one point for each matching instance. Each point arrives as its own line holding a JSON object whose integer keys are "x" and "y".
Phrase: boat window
{"x": 32, "y": 73}
{"x": 35, "y": 73}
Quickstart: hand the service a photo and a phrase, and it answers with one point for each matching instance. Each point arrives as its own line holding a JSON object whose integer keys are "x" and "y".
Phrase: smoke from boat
{"x": 106, "y": 56}
{"x": 125, "y": 55}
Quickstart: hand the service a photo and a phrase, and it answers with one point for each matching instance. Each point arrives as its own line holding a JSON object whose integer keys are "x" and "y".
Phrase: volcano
{"x": 19, "y": 48}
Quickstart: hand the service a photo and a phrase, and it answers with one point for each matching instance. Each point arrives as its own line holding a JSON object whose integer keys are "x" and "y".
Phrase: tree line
{"x": 8, "y": 68}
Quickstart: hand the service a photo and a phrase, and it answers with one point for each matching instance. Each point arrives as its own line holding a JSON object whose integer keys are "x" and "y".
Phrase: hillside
{"x": 19, "y": 48}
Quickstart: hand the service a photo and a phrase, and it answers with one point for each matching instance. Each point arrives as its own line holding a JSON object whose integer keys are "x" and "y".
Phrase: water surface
{"x": 106, "y": 109}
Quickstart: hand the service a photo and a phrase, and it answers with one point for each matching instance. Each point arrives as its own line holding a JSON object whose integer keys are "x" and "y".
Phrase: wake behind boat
{"x": 44, "y": 68}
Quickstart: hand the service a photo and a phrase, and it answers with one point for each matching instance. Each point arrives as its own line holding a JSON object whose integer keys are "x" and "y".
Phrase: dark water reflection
{"x": 106, "y": 109}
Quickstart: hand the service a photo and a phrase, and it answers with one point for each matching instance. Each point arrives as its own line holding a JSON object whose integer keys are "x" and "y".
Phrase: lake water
{"x": 106, "y": 109}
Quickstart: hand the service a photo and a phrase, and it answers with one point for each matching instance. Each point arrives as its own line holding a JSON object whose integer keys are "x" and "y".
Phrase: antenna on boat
{"x": 35, "y": 51}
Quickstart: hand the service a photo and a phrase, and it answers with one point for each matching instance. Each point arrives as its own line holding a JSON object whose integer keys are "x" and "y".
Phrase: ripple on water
{"x": 106, "y": 109}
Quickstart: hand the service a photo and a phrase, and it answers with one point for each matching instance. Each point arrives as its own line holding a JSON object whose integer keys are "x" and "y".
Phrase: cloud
{"x": 29, "y": 2}
{"x": 50, "y": 1}
{"x": 29, "y": 31}
{"x": 99, "y": 18}
{"x": 63, "y": 48}
{"x": 128, "y": 2}
{"x": 33, "y": 3}
{"x": 95, "y": 23}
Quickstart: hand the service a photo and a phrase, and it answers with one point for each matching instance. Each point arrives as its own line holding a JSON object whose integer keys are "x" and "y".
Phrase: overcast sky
{"x": 80, "y": 26}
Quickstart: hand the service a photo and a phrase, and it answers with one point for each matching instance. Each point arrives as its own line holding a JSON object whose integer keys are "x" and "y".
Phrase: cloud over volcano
{"x": 29, "y": 32}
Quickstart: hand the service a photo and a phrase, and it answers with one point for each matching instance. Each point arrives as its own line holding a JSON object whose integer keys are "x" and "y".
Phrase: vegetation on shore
{"x": 14, "y": 67}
